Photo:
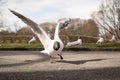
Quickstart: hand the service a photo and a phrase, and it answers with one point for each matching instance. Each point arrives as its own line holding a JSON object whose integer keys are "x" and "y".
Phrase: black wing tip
{"x": 17, "y": 14}
{"x": 11, "y": 10}
{"x": 14, "y": 12}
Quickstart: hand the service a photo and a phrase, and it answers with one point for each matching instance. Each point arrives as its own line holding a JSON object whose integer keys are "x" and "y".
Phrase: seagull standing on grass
{"x": 32, "y": 40}
{"x": 75, "y": 43}
{"x": 113, "y": 39}
{"x": 100, "y": 40}
{"x": 52, "y": 47}
{"x": 49, "y": 34}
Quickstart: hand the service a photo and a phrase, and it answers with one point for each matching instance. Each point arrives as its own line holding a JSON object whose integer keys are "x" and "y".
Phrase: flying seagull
{"x": 52, "y": 47}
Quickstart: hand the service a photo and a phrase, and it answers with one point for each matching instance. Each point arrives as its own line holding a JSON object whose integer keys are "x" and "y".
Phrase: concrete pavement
{"x": 79, "y": 65}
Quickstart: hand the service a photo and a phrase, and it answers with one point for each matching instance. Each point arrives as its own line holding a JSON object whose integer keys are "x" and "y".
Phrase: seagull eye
{"x": 66, "y": 23}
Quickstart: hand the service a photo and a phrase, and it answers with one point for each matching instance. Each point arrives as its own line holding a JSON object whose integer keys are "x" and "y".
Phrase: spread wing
{"x": 41, "y": 34}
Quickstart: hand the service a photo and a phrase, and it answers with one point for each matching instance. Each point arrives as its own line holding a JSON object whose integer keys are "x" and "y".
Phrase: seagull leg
{"x": 51, "y": 60}
{"x": 60, "y": 56}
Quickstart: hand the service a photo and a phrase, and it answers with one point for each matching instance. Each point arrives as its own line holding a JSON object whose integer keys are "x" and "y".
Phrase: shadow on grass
{"x": 90, "y": 74}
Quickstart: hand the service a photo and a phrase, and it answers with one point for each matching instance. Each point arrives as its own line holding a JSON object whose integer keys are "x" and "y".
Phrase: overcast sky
{"x": 52, "y": 10}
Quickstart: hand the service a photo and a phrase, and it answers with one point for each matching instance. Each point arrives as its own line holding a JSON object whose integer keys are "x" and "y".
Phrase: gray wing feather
{"x": 26, "y": 20}
{"x": 41, "y": 34}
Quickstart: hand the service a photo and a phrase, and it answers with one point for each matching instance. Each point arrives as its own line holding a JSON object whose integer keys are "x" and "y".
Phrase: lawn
{"x": 20, "y": 45}
{"x": 104, "y": 45}
{"x": 39, "y": 45}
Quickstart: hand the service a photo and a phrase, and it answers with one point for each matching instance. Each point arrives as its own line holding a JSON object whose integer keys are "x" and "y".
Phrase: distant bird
{"x": 100, "y": 40}
{"x": 49, "y": 34}
{"x": 32, "y": 40}
{"x": 52, "y": 47}
{"x": 75, "y": 43}
{"x": 113, "y": 39}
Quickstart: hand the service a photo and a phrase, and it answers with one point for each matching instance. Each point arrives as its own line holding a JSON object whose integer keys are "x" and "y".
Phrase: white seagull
{"x": 75, "y": 43}
{"x": 100, "y": 40}
{"x": 113, "y": 39}
{"x": 52, "y": 47}
{"x": 49, "y": 34}
{"x": 33, "y": 39}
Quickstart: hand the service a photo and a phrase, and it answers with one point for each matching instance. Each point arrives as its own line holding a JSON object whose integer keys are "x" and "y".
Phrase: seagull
{"x": 49, "y": 34}
{"x": 32, "y": 40}
{"x": 75, "y": 43}
{"x": 113, "y": 39}
{"x": 52, "y": 47}
{"x": 100, "y": 40}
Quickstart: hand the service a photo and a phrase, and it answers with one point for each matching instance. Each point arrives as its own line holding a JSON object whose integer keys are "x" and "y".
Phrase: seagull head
{"x": 64, "y": 22}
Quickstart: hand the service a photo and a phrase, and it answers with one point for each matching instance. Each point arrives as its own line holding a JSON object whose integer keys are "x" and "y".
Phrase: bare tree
{"x": 89, "y": 28}
{"x": 108, "y": 17}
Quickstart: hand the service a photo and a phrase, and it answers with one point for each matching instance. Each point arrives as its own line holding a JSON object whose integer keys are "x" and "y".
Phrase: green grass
{"x": 38, "y": 45}
{"x": 104, "y": 45}
{"x": 20, "y": 45}
{"x": 93, "y": 45}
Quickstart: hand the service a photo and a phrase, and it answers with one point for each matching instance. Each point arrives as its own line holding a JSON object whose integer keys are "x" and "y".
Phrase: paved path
{"x": 79, "y": 65}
